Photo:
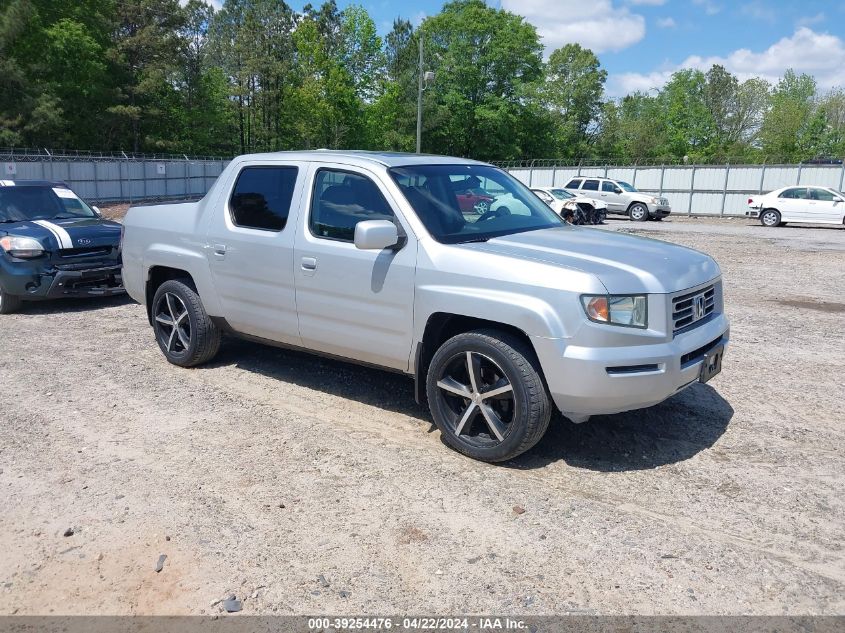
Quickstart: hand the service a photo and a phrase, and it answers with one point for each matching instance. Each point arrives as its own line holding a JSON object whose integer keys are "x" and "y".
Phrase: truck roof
{"x": 388, "y": 159}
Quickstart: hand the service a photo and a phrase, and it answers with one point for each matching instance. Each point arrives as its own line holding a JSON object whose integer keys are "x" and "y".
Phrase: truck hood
{"x": 625, "y": 264}
{"x": 67, "y": 233}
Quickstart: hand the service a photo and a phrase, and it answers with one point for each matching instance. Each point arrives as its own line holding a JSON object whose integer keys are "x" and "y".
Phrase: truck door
{"x": 353, "y": 303}
{"x": 250, "y": 250}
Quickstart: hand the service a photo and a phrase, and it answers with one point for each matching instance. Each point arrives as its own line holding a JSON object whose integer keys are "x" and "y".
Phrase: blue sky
{"x": 641, "y": 42}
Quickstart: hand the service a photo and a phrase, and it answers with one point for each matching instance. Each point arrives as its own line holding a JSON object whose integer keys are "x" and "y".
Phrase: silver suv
{"x": 621, "y": 198}
{"x": 498, "y": 316}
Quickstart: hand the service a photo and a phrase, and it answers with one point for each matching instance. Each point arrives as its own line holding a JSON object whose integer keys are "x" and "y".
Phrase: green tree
{"x": 484, "y": 58}
{"x": 573, "y": 91}
{"x": 690, "y": 128}
{"x": 787, "y": 124}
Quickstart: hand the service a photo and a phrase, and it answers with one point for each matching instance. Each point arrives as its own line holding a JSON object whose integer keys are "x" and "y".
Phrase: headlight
{"x": 653, "y": 200}
{"x": 630, "y": 311}
{"x": 21, "y": 247}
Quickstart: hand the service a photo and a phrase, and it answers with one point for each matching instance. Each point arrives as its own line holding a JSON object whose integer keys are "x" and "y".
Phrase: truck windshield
{"x": 430, "y": 189}
{"x": 24, "y": 203}
{"x": 625, "y": 186}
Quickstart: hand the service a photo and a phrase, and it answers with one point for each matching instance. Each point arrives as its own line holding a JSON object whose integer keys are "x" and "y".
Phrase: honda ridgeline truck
{"x": 370, "y": 257}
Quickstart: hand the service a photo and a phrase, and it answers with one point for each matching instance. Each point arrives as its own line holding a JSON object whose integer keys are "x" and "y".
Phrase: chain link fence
{"x": 116, "y": 177}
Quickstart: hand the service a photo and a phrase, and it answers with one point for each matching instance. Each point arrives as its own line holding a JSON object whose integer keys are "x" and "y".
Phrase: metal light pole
{"x": 419, "y": 100}
{"x": 424, "y": 78}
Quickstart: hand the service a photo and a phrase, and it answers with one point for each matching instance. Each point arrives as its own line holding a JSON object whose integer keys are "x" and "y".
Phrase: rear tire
{"x": 770, "y": 218}
{"x": 9, "y": 303}
{"x": 489, "y": 428}
{"x": 638, "y": 212}
{"x": 184, "y": 332}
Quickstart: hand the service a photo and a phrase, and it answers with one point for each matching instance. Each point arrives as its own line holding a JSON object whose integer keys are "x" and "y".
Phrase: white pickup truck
{"x": 499, "y": 317}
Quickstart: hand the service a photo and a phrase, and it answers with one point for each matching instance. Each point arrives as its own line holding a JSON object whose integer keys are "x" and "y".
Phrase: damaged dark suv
{"x": 53, "y": 245}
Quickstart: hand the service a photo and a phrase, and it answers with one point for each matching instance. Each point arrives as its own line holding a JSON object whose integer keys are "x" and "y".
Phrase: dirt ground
{"x": 304, "y": 485}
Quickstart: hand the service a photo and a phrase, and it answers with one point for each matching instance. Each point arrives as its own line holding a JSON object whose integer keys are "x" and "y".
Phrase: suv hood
{"x": 625, "y": 264}
{"x": 67, "y": 233}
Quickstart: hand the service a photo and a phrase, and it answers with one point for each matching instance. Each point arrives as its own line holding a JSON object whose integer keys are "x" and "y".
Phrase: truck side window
{"x": 261, "y": 198}
{"x": 342, "y": 199}
{"x": 608, "y": 186}
{"x": 573, "y": 184}
{"x": 591, "y": 185}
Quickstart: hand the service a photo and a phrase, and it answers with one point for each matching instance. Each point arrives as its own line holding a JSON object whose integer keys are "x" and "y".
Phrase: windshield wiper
{"x": 473, "y": 240}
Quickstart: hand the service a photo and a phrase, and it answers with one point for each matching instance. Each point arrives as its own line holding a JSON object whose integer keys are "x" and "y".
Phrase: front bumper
{"x": 659, "y": 210}
{"x": 587, "y": 381}
{"x": 32, "y": 281}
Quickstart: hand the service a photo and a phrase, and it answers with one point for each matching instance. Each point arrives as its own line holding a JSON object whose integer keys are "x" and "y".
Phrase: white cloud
{"x": 819, "y": 54}
{"x": 217, "y": 4}
{"x": 759, "y": 11}
{"x": 652, "y": 3}
{"x": 667, "y": 23}
{"x": 598, "y": 25}
{"x": 812, "y": 19}
{"x": 710, "y": 7}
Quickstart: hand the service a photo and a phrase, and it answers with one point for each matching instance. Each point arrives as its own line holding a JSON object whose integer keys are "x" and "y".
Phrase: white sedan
{"x": 560, "y": 200}
{"x": 816, "y": 205}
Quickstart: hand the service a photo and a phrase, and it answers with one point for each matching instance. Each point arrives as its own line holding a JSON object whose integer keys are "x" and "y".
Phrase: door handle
{"x": 220, "y": 250}
{"x": 309, "y": 263}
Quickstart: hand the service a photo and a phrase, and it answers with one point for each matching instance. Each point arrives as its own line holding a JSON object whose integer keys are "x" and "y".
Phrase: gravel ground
{"x": 304, "y": 485}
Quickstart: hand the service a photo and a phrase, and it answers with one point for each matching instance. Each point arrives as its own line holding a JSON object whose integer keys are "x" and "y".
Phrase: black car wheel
{"x": 770, "y": 218}
{"x": 481, "y": 207}
{"x": 487, "y": 396}
{"x": 638, "y": 212}
{"x": 9, "y": 303}
{"x": 184, "y": 332}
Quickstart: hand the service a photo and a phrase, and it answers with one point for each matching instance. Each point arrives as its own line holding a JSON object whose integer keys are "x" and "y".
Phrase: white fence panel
{"x": 821, "y": 176}
{"x": 780, "y": 176}
{"x": 677, "y": 179}
{"x": 647, "y": 179}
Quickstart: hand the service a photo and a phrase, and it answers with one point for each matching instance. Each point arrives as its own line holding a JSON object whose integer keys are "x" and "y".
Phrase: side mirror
{"x": 617, "y": 190}
{"x": 97, "y": 210}
{"x": 376, "y": 235}
{"x": 837, "y": 199}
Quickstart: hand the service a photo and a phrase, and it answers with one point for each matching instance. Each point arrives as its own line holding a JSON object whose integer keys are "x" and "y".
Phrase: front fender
{"x": 530, "y": 314}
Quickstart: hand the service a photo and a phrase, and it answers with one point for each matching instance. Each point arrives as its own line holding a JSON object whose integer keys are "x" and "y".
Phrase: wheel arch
{"x": 439, "y": 328}
{"x": 156, "y": 276}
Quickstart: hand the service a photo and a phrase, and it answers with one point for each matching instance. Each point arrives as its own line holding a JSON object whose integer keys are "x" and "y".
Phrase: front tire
{"x": 487, "y": 396}
{"x": 9, "y": 303}
{"x": 184, "y": 332}
{"x": 770, "y": 218}
{"x": 638, "y": 212}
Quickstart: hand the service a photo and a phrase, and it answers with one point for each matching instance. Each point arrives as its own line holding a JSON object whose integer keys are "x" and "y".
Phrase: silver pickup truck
{"x": 498, "y": 315}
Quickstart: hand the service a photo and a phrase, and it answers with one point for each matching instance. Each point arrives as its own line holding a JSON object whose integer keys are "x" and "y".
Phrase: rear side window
{"x": 795, "y": 192}
{"x": 591, "y": 185}
{"x": 342, "y": 199}
{"x": 574, "y": 183}
{"x": 262, "y": 197}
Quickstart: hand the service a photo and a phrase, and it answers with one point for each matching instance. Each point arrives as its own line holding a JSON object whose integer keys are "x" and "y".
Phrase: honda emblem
{"x": 698, "y": 307}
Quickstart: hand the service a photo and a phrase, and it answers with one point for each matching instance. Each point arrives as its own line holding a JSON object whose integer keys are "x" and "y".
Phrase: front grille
{"x": 85, "y": 252}
{"x": 688, "y": 309}
{"x": 664, "y": 202}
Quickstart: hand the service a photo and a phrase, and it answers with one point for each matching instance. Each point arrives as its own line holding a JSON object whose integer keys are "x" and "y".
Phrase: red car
{"x": 472, "y": 198}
